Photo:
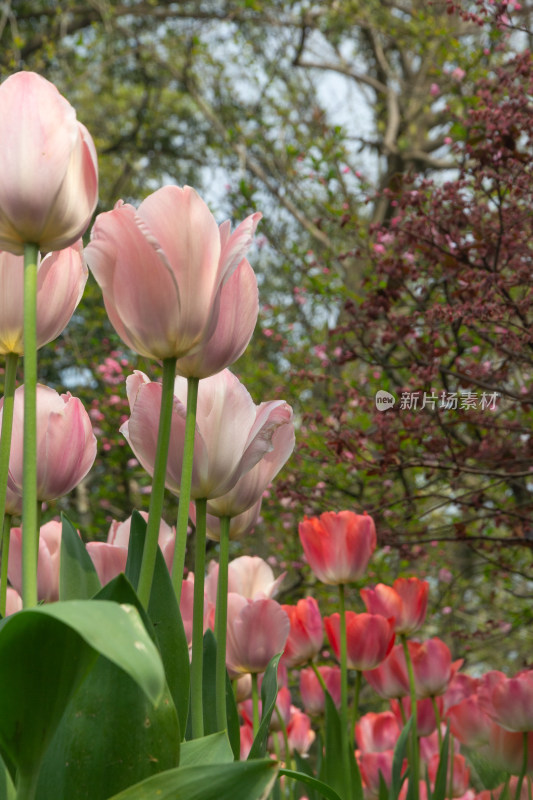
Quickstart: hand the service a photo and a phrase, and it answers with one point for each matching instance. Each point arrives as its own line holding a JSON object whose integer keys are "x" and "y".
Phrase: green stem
{"x": 158, "y": 485}
{"x": 221, "y": 621}
{"x": 523, "y": 769}
{"x": 7, "y": 425}
{"x": 319, "y": 677}
{"x": 437, "y": 719}
{"x": 30, "y": 537}
{"x": 255, "y": 703}
{"x": 344, "y": 693}
{"x": 185, "y": 487}
{"x": 5, "y": 559}
{"x": 197, "y": 657}
{"x": 288, "y": 758}
{"x": 414, "y": 731}
{"x": 355, "y": 713}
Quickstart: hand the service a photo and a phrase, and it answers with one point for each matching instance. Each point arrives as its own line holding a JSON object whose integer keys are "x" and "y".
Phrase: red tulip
{"x": 257, "y": 631}
{"x": 311, "y": 691}
{"x": 406, "y": 601}
{"x": 374, "y": 767}
{"x": 232, "y": 434}
{"x": 162, "y": 269}
{"x": 370, "y": 638}
{"x": 61, "y": 278}
{"x": 425, "y": 713}
{"x": 48, "y": 169}
{"x": 48, "y": 562}
{"x": 301, "y": 735}
{"x": 110, "y": 557}
{"x": 506, "y": 749}
{"x": 66, "y": 445}
{"x": 338, "y": 546}
{"x": 306, "y": 633}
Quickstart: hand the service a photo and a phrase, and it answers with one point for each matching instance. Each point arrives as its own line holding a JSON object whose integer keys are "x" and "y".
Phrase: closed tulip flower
{"x": 306, "y": 634}
{"x": 48, "y": 169}
{"x": 61, "y": 279}
{"x": 406, "y": 600}
{"x": 237, "y": 317}
{"x": 390, "y": 678}
{"x": 232, "y": 433}
{"x": 433, "y": 667}
{"x": 257, "y": 631}
{"x": 377, "y": 732}
{"x": 66, "y": 444}
{"x": 370, "y": 638}
{"x": 338, "y": 546}
{"x": 162, "y": 269}
{"x": 249, "y": 576}
{"x": 110, "y": 557}
{"x": 509, "y": 701}
{"x": 48, "y": 561}
{"x": 311, "y": 692}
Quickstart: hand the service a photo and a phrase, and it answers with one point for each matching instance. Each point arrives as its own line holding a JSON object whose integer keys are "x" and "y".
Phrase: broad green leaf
{"x": 269, "y": 693}
{"x": 130, "y": 738}
{"x": 77, "y": 576}
{"x": 322, "y": 788}
{"x": 241, "y": 780}
{"x": 489, "y": 775}
{"x": 46, "y": 652}
{"x": 7, "y": 788}
{"x": 212, "y": 749}
{"x": 304, "y": 765}
{"x": 165, "y": 616}
{"x": 209, "y": 697}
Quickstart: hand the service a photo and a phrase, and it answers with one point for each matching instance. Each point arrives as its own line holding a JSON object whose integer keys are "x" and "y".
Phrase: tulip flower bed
{"x": 120, "y": 680}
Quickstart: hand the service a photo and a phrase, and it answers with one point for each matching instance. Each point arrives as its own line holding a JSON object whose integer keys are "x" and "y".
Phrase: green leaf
{"x": 332, "y": 771}
{"x": 7, "y": 788}
{"x": 209, "y": 697}
{"x": 130, "y": 740}
{"x": 323, "y": 788}
{"x": 398, "y": 759}
{"x": 212, "y": 749}
{"x": 77, "y": 576}
{"x": 241, "y": 780}
{"x": 164, "y": 613}
{"x": 439, "y": 791}
{"x": 46, "y": 652}
{"x": 489, "y": 775}
{"x": 269, "y": 693}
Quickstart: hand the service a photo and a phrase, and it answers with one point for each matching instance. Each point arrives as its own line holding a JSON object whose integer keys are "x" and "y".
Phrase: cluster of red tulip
{"x": 179, "y": 289}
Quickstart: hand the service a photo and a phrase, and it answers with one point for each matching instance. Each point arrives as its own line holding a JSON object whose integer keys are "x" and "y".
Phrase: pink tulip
{"x": 257, "y": 631}
{"x": 250, "y": 487}
{"x": 469, "y": 723}
{"x": 247, "y": 740}
{"x": 506, "y": 749}
{"x": 13, "y": 601}
{"x": 406, "y": 601}
{"x": 162, "y": 269}
{"x": 306, "y": 634}
{"x": 61, "y": 278}
{"x": 237, "y": 317}
{"x": 338, "y": 546}
{"x": 301, "y": 735}
{"x": 432, "y": 666}
{"x": 372, "y": 766}
{"x": 232, "y": 433}
{"x": 66, "y": 444}
{"x": 390, "y": 679}
{"x": 110, "y": 557}
{"x": 370, "y": 638}
{"x": 249, "y": 576}
{"x": 509, "y": 701}
{"x": 48, "y": 561}
{"x": 377, "y": 732}
{"x": 311, "y": 691}
{"x": 48, "y": 169}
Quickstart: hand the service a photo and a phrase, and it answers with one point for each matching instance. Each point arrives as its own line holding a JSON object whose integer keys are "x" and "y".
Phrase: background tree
{"x": 321, "y": 117}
